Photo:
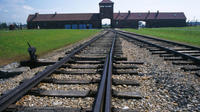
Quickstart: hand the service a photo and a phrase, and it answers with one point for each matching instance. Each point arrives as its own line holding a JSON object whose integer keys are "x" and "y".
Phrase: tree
{"x": 3, "y": 25}
{"x": 196, "y": 23}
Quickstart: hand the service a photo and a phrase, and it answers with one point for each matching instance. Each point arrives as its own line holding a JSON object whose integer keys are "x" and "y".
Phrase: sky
{"x": 18, "y": 10}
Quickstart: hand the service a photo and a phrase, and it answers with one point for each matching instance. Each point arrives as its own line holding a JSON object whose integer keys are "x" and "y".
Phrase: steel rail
{"x": 105, "y": 84}
{"x": 108, "y": 105}
{"x": 163, "y": 40}
{"x": 99, "y": 103}
{"x": 18, "y": 92}
{"x": 196, "y": 60}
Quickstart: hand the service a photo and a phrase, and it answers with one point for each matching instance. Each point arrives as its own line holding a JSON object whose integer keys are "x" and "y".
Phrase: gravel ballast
{"x": 10, "y": 83}
{"x": 165, "y": 87}
{"x": 162, "y": 85}
{"x": 35, "y": 101}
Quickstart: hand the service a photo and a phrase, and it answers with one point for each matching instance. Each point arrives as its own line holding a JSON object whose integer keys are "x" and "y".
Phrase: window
{"x": 105, "y": 5}
{"x": 108, "y": 6}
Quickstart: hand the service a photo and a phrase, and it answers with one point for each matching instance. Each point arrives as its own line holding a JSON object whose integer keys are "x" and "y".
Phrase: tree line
{"x": 12, "y": 26}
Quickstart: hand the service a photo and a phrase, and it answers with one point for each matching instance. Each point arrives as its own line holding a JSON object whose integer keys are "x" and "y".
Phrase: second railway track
{"x": 180, "y": 54}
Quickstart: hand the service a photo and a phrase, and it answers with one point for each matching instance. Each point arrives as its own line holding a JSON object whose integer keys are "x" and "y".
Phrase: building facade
{"x": 106, "y": 10}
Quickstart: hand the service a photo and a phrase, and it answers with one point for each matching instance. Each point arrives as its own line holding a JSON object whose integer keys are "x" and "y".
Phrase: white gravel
{"x": 10, "y": 83}
{"x": 77, "y": 77}
{"x": 50, "y": 86}
{"x": 35, "y": 101}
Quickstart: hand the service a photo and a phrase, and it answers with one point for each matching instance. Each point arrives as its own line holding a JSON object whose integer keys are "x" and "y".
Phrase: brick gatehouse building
{"x": 93, "y": 20}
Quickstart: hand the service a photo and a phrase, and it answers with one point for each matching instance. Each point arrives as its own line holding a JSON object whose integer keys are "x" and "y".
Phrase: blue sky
{"x": 18, "y": 10}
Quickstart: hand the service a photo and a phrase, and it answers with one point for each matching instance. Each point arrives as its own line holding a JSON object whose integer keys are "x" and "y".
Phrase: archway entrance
{"x": 106, "y": 23}
{"x": 141, "y": 24}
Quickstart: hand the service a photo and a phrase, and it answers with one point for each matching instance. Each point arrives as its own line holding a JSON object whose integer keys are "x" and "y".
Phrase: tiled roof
{"x": 106, "y": 1}
{"x": 143, "y": 16}
{"x": 95, "y": 16}
{"x": 63, "y": 17}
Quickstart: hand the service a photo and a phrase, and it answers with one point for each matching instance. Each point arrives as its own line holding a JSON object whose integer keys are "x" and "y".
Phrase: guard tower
{"x": 106, "y": 9}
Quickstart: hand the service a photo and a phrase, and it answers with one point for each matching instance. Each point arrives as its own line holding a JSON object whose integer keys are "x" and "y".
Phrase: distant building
{"x": 93, "y": 20}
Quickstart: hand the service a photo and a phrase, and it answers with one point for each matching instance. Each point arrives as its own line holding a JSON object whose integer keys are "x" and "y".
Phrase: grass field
{"x": 13, "y": 44}
{"x": 188, "y": 35}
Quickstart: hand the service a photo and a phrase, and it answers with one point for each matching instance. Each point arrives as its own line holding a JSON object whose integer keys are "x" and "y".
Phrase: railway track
{"x": 74, "y": 76}
{"x": 181, "y": 83}
{"x": 180, "y": 54}
{"x": 100, "y": 76}
{"x": 84, "y": 76}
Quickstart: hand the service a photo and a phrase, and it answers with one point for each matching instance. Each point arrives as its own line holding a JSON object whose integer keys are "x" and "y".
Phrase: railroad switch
{"x": 32, "y": 51}
{"x": 33, "y": 62}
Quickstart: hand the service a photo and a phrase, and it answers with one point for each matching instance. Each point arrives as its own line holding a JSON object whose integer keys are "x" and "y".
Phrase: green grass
{"x": 13, "y": 44}
{"x": 188, "y": 35}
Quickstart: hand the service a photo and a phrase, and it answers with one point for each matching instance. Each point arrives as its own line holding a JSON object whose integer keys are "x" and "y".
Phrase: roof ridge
{"x": 106, "y": 1}
{"x": 65, "y": 13}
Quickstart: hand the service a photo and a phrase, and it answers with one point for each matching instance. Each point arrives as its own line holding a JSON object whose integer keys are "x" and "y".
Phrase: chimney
{"x": 129, "y": 12}
{"x": 147, "y": 14}
{"x": 36, "y": 14}
{"x": 55, "y": 14}
{"x": 157, "y": 13}
{"x": 118, "y": 14}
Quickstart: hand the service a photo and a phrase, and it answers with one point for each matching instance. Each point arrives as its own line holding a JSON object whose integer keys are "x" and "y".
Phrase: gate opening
{"x": 141, "y": 24}
{"x": 106, "y": 23}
